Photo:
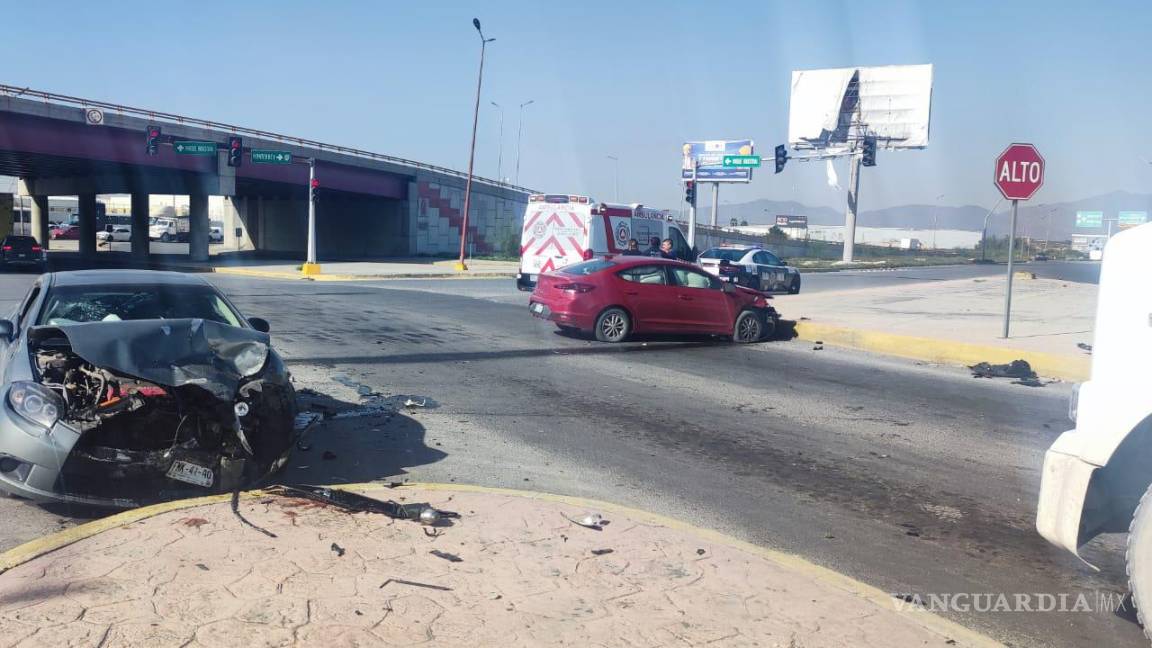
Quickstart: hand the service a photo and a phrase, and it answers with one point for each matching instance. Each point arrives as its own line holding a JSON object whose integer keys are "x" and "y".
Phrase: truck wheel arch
{"x": 1116, "y": 488}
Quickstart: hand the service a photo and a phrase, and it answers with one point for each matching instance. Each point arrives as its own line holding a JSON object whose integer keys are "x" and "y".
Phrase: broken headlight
{"x": 35, "y": 403}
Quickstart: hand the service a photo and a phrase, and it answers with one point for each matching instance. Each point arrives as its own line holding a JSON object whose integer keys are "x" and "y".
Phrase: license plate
{"x": 190, "y": 473}
{"x": 537, "y": 308}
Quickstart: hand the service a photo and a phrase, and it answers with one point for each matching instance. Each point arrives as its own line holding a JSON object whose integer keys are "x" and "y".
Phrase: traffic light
{"x": 869, "y": 157}
{"x": 781, "y": 157}
{"x": 235, "y": 151}
{"x": 690, "y": 192}
{"x": 152, "y": 142}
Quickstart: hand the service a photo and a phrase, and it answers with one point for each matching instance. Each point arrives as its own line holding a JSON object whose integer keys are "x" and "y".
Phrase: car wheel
{"x": 1139, "y": 559}
{"x": 749, "y": 328}
{"x": 613, "y": 325}
{"x": 794, "y": 287}
{"x": 164, "y": 238}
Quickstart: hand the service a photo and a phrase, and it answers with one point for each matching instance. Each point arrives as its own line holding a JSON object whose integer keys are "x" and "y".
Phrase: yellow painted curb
{"x": 944, "y": 627}
{"x": 944, "y": 351}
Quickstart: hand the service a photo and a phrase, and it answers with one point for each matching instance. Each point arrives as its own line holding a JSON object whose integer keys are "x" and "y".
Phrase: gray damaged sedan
{"x": 124, "y": 387}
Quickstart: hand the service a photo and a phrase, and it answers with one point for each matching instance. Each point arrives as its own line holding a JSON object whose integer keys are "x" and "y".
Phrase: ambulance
{"x": 561, "y": 229}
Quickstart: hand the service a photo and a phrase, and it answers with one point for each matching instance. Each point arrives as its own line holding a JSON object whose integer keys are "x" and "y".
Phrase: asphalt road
{"x": 915, "y": 479}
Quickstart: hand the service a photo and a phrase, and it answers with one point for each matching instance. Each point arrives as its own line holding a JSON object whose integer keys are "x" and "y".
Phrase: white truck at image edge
{"x": 1097, "y": 478}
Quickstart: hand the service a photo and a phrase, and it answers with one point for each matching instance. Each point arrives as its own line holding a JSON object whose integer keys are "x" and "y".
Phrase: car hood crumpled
{"x": 171, "y": 352}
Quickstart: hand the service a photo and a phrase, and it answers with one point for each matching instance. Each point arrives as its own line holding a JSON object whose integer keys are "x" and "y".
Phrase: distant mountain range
{"x": 965, "y": 217}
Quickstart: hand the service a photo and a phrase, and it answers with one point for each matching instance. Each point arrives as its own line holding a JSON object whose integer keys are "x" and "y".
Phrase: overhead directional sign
{"x": 741, "y": 161}
{"x": 194, "y": 147}
{"x": 266, "y": 156}
{"x": 1019, "y": 172}
{"x": 1089, "y": 219}
{"x": 1131, "y": 218}
{"x": 708, "y": 158}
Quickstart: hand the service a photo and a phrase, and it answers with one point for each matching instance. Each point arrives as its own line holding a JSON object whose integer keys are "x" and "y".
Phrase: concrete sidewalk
{"x": 957, "y": 321}
{"x": 414, "y": 268}
{"x": 513, "y": 570}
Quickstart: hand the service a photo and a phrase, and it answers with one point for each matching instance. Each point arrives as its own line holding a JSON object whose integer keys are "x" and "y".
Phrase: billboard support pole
{"x": 715, "y": 203}
{"x": 692, "y": 209}
{"x": 850, "y": 213}
{"x": 1011, "y": 255}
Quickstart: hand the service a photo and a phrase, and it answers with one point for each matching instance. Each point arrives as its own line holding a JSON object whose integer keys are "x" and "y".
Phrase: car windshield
{"x": 587, "y": 268}
{"x": 724, "y": 254}
{"x": 77, "y": 304}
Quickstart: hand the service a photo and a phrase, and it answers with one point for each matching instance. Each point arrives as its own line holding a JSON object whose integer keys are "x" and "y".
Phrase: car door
{"x": 702, "y": 304}
{"x": 646, "y": 294}
{"x": 771, "y": 271}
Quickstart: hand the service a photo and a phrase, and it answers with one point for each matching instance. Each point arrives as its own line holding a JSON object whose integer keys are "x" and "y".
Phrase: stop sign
{"x": 1019, "y": 171}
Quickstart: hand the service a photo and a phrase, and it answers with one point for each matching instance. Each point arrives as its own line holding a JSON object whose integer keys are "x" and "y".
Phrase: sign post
{"x": 692, "y": 210}
{"x": 1019, "y": 175}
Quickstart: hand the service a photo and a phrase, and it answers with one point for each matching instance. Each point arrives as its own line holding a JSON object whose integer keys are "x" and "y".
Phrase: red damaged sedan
{"x": 618, "y": 296}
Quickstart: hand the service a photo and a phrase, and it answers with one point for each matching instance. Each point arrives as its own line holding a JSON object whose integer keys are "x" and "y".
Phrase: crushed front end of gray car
{"x": 134, "y": 412}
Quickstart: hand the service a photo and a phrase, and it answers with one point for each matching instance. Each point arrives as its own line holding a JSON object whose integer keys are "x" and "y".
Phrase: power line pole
{"x": 519, "y": 132}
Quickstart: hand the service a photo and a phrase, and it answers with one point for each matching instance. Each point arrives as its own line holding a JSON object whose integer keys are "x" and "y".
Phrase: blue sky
{"x": 632, "y": 79}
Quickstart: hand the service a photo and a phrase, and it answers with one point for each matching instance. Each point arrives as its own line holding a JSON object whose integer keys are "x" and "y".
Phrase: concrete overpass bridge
{"x": 370, "y": 205}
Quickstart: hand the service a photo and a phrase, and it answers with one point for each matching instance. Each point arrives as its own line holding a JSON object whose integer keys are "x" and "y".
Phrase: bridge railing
{"x": 15, "y": 91}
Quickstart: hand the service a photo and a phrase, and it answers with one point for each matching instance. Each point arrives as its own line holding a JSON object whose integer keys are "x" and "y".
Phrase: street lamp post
{"x": 460, "y": 266}
{"x": 935, "y": 217}
{"x": 500, "y": 145}
{"x": 984, "y": 232}
{"x": 617, "y": 181}
{"x": 519, "y": 132}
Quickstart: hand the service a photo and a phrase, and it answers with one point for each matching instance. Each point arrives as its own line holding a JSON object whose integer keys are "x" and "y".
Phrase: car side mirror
{"x": 728, "y": 288}
{"x": 7, "y": 330}
{"x": 260, "y": 324}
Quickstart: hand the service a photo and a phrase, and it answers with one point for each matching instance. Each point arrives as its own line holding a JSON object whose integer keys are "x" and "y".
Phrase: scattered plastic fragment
{"x": 400, "y": 581}
{"x": 411, "y": 402}
{"x": 601, "y": 552}
{"x": 592, "y": 521}
{"x": 338, "y": 549}
{"x": 446, "y": 556}
{"x": 429, "y": 516}
{"x": 1014, "y": 369}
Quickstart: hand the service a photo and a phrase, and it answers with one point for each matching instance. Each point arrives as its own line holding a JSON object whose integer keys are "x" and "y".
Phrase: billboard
{"x": 709, "y": 156}
{"x": 831, "y": 108}
{"x": 1131, "y": 218}
{"x": 1089, "y": 219}
{"x": 791, "y": 221}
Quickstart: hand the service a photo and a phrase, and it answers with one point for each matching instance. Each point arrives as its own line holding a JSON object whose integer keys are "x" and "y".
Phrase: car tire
{"x": 794, "y": 287}
{"x": 1139, "y": 561}
{"x": 613, "y": 325}
{"x": 749, "y": 327}
{"x": 164, "y": 238}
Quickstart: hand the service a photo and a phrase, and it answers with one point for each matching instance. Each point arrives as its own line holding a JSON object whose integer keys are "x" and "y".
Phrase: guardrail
{"x": 50, "y": 97}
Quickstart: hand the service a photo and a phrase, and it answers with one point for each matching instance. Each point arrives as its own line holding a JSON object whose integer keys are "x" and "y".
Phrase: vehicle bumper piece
{"x": 1064, "y": 487}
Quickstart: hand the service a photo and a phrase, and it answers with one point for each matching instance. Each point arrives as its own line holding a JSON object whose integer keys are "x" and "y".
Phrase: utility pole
{"x": 519, "y": 132}
{"x": 692, "y": 209}
{"x": 984, "y": 232}
{"x": 1011, "y": 255}
{"x": 617, "y": 178}
{"x": 500, "y": 145}
{"x": 460, "y": 266}
{"x": 715, "y": 203}
{"x": 310, "y": 266}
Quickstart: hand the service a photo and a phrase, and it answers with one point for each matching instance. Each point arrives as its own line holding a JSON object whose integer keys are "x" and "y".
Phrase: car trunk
{"x": 164, "y": 408}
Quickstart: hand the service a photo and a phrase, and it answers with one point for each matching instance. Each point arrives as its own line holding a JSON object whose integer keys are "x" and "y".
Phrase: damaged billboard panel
{"x": 831, "y": 108}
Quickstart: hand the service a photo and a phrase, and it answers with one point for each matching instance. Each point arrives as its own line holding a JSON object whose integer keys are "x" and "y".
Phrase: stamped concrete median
{"x": 957, "y": 322}
{"x": 512, "y": 570}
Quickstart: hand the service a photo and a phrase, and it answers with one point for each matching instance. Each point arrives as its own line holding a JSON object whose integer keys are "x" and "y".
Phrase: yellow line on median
{"x": 944, "y": 351}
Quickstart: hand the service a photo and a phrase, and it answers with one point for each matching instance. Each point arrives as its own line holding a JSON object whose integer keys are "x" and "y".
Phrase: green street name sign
{"x": 193, "y": 147}
{"x": 267, "y": 156}
{"x": 743, "y": 161}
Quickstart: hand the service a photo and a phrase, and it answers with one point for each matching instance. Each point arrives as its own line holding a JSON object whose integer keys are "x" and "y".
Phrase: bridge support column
{"x": 140, "y": 212}
{"x": 87, "y": 204}
{"x": 198, "y": 227}
{"x": 38, "y": 220}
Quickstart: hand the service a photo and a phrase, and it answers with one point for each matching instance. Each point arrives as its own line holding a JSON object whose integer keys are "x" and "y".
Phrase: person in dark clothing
{"x": 653, "y": 247}
{"x": 666, "y": 251}
{"x": 633, "y": 248}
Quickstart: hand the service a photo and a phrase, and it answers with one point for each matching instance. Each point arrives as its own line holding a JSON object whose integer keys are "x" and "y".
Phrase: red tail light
{"x": 35, "y": 248}
{"x": 7, "y": 248}
{"x": 587, "y": 255}
{"x": 576, "y": 287}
